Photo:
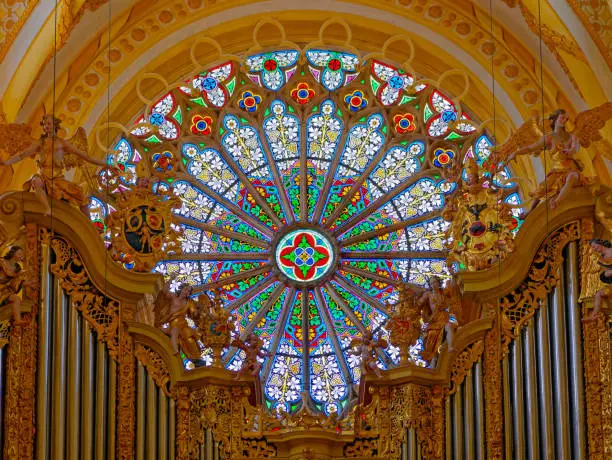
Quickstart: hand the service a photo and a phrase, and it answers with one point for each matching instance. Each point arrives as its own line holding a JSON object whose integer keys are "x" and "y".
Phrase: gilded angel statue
{"x": 566, "y": 172}
{"x": 366, "y": 347}
{"x": 54, "y": 156}
{"x": 171, "y": 313}
{"x": 442, "y": 311}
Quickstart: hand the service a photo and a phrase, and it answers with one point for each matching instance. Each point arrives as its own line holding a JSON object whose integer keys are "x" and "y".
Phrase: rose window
{"x": 312, "y": 184}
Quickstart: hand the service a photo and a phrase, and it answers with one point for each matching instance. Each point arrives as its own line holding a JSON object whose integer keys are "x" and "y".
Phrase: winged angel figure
{"x": 54, "y": 156}
{"x": 566, "y": 171}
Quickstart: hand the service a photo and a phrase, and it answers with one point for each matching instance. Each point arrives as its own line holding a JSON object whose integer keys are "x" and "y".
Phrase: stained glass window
{"x": 311, "y": 185}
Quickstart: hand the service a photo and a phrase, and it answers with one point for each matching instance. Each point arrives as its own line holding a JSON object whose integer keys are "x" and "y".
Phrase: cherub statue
{"x": 12, "y": 280}
{"x": 480, "y": 223}
{"x": 366, "y": 347}
{"x": 171, "y": 312}
{"x": 253, "y": 349}
{"x": 217, "y": 326}
{"x": 603, "y": 249}
{"x": 54, "y": 157}
{"x": 566, "y": 172}
{"x": 441, "y": 310}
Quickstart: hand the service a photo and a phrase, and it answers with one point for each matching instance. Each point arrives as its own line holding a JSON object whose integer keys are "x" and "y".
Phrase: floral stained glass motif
{"x": 306, "y": 211}
{"x": 272, "y": 70}
{"x": 331, "y": 68}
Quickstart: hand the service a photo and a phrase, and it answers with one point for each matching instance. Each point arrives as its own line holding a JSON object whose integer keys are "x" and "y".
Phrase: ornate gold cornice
{"x": 158, "y": 343}
{"x": 491, "y": 284}
{"x": 17, "y": 208}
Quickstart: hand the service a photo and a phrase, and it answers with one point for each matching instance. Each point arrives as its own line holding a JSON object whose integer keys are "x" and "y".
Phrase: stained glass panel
{"x": 308, "y": 193}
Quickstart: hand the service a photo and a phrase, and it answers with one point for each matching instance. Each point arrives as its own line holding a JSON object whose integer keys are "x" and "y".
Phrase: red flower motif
{"x": 270, "y": 65}
{"x": 303, "y": 93}
{"x": 201, "y": 124}
{"x": 334, "y": 64}
{"x": 404, "y": 123}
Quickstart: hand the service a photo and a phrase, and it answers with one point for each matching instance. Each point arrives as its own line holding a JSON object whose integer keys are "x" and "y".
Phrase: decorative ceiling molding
{"x": 13, "y": 15}
{"x": 596, "y": 16}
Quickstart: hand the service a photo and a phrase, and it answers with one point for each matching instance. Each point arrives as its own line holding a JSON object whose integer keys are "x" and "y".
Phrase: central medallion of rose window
{"x": 304, "y": 255}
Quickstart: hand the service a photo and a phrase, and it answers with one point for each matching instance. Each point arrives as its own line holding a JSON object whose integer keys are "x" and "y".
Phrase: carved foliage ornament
{"x": 101, "y": 312}
{"x": 520, "y": 304}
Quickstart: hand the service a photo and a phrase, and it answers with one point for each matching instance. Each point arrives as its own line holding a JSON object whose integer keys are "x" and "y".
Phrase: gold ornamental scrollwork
{"x": 99, "y": 310}
{"x": 20, "y": 390}
{"x": 493, "y": 390}
{"x": 420, "y": 408}
{"x": 126, "y": 411}
{"x": 463, "y": 364}
{"x": 520, "y": 305}
{"x": 598, "y": 381}
{"x": 155, "y": 365}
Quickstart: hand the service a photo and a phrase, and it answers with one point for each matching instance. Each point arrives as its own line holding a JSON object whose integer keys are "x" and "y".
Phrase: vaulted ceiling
{"x": 86, "y": 81}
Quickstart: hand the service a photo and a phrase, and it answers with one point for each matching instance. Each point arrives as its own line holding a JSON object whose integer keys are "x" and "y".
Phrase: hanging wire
{"x": 54, "y": 128}
{"x": 106, "y": 173}
{"x": 499, "y": 194}
{"x": 545, "y": 147}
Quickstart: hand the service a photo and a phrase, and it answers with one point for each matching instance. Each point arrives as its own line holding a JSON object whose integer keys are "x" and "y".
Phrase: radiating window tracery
{"x": 314, "y": 184}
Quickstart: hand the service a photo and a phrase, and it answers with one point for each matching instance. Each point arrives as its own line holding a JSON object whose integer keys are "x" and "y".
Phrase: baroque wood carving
{"x": 20, "y": 390}
{"x": 520, "y": 304}
{"x": 101, "y": 312}
{"x": 463, "y": 364}
{"x": 155, "y": 365}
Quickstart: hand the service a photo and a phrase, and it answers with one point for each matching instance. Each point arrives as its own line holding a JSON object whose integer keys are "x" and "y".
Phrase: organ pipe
{"x": 44, "y": 358}
{"x": 101, "y": 398}
{"x": 458, "y": 423}
{"x": 575, "y": 351}
{"x": 74, "y": 384}
{"x": 468, "y": 415}
{"x": 518, "y": 399}
{"x": 533, "y": 443}
{"x": 508, "y": 436}
{"x": 562, "y": 420}
{"x": 172, "y": 428}
{"x": 87, "y": 408}
{"x": 141, "y": 394}
{"x": 58, "y": 405}
{"x": 112, "y": 397}
{"x": 163, "y": 425}
{"x": 151, "y": 419}
{"x": 479, "y": 409}
{"x": 448, "y": 428}
{"x": 544, "y": 382}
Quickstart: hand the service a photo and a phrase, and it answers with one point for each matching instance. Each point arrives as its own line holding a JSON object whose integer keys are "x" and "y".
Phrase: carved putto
{"x": 366, "y": 348}
{"x": 141, "y": 227}
{"x": 172, "y": 315}
{"x": 562, "y": 146}
{"x": 54, "y": 156}
{"x": 217, "y": 325}
{"x": 254, "y": 354}
{"x": 404, "y": 323}
{"x": 442, "y": 311}
{"x": 480, "y": 223}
